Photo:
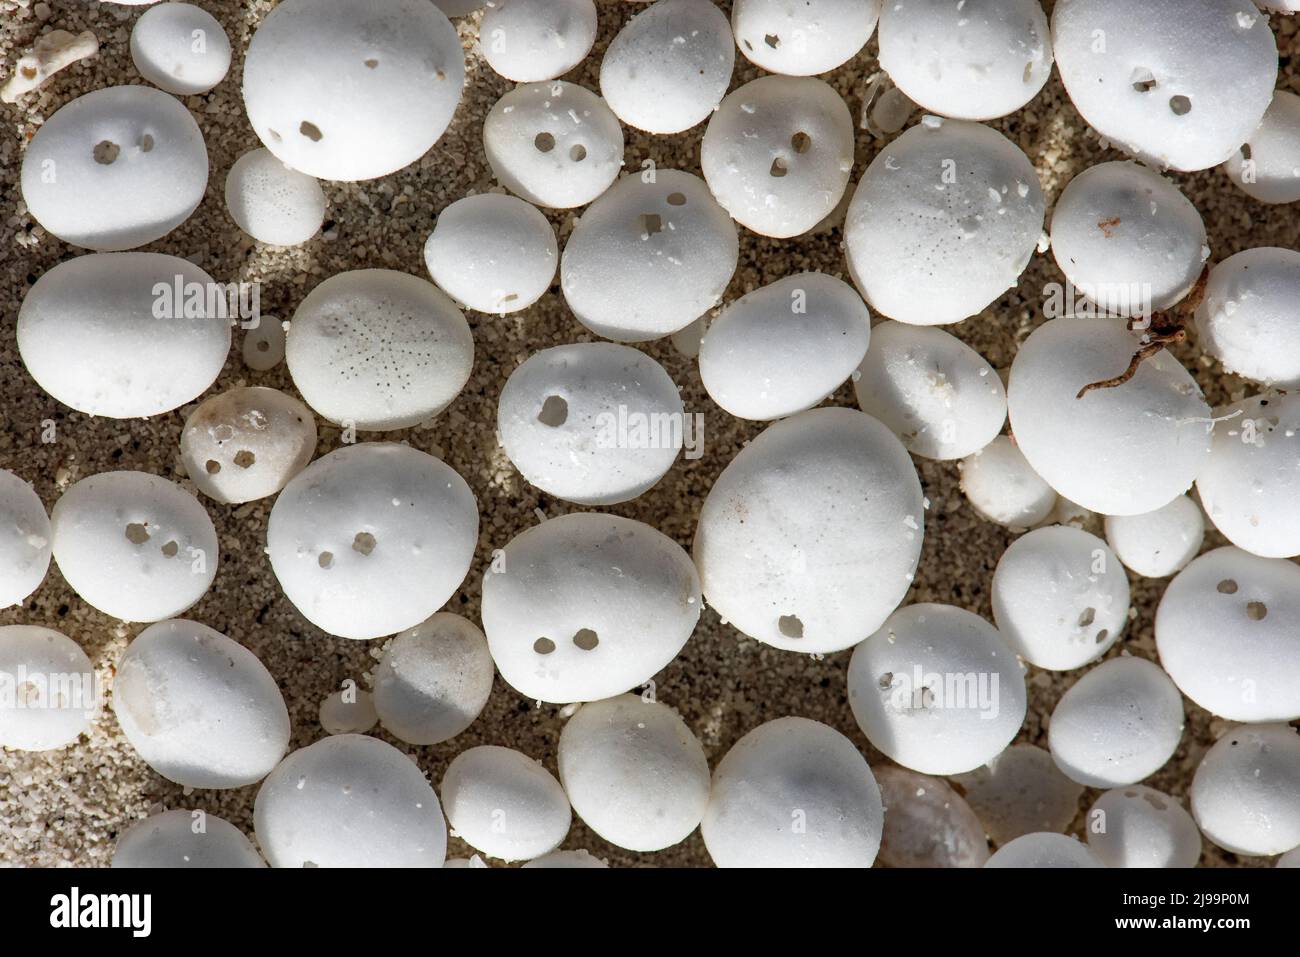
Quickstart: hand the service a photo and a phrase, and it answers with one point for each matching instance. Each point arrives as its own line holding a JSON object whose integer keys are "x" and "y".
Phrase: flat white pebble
{"x": 185, "y": 839}
{"x": 48, "y": 690}
{"x": 25, "y": 536}
{"x": 569, "y": 859}
{"x": 271, "y": 202}
{"x": 263, "y": 345}
{"x": 1244, "y": 790}
{"x": 802, "y": 38}
{"x": 1003, "y": 487}
{"x": 348, "y": 712}
{"x": 1159, "y": 543}
{"x": 1267, "y": 166}
{"x": 180, "y": 48}
{"x": 530, "y": 40}
{"x": 1139, "y": 826}
{"x": 1019, "y": 792}
{"x": 1044, "y": 850}
{"x": 505, "y": 804}
{"x": 1247, "y": 319}
{"x": 927, "y": 823}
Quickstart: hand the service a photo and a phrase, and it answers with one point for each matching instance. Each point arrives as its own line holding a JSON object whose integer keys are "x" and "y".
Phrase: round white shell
{"x": 378, "y": 349}
{"x": 1044, "y": 850}
{"x": 777, "y": 154}
{"x": 180, "y": 48}
{"x": 372, "y": 538}
{"x": 556, "y": 144}
{"x": 1248, "y": 320}
{"x": 246, "y": 444}
{"x": 1159, "y": 543}
{"x": 199, "y": 708}
{"x": 802, "y": 37}
{"x": 494, "y": 253}
{"x": 786, "y": 772}
{"x": 24, "y": 540}
{"x": 353, "y": 713}
{"x": 649, "y": 258}
{"x": 51, "y": 689}
{"x": 1019, "y": 792}
{"x": 1244, "y": 791}
{"x": 937, "y": 689}
{"x": 771, "y": 562}
{"x": 185, "y": 839}
{"x": 1119, "y": 723}
{"x": 1126, "y": 450}
{"x": 107, "y": 334}
{"x": 1001, "y": 485}
{"x": 927, "y": 823}
{"x": 1228, "y": 633}
{"x": 271, "y": 202}
{"x": 351, "y": 91}
{"x": 587, "y": 606}
{"x": 937, "y": 394}
{"x": 134, "y": 545}
{"x": 263, "y": 345}
{"x": 433, "y": 680}
{"x": 567, "y": 859}
{"x": 349, "y": 801}
{"x": 634, "y": 772}
{"x": 116, "y": 168}
{"x": 593, "y": 422}
{"x": 1060, "y": 597}
{"x": 669, "y": 67}
{"x": 943, "y": 222}
{"x": 1267, "y": 166}
{"x": 1127, "y": 239}
{"x": 529, "y": 40}
{"x": 974, "y": 61}
{"x": 1139, "y": 826}
{"x": 504, "y": 803}
{"x": 784, "y": 347}
{"x": 1179, "y": 83}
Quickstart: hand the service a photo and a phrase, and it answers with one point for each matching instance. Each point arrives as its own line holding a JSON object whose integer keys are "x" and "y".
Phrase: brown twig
{"x": 1166, "y": 328}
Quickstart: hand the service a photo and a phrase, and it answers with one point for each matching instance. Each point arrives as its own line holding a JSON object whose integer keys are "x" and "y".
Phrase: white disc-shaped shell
{"x": 927, "y": 823}
{"x": 937, "y": 689}
{"x": 1267, "y": 166}
{"x": 247, "y": 443}
{"x": 634, "y": 772}
{"x": 556, "y": 144}
{"x": 199, "y": 708}
{"x": 185, "y": 839}
{"x": 777, "y": 154}
{"x": 123, "y": 335}
{"x": 943, "y": 222}
{"x": 809, "y": 539}
{"x": 1177, "y": 83}
{"x": 937, "y": 394}
{"x": 349, "y": 801}
{"x": 271, "y": 202}
{"x": 587, "y": 606}
{"x": 1244, "y": 791}
{"x": 1019, "y": 792}
{"x": 1003, "y": 487}
{"x": 1248, "y": 319}
{"x": 180, "y": 48}
{"x": 1228, "y": 633}
{"x": 1060, "y": 597}
{"x": 351, "y": 91}
{"x": 649, "y": 258}
{"x": 1117, "y": 724}
{"x": 372, "y": 538}
{"x": 567, "y": 859}
{"x": 493, "y": 253}
{"x": 1125, "y": 450}
{"x": 788, "y": 772}
{"x": 134, "y": 545}
{"x": 378, "y": 349}
{"x": 433, "y": 680}
{"x": 530, "y": 40}
{"x": 974, "y": 61}
{"x": 784, "y": 347}
{"x": 1251, "y": 485}
{"x": 594, "y": 422}
{"x": 24, "y": 540}
{"x": 1139, "y": 826}
{"x": 669, "y": 67}
{"x": 350, "y": 712}
{"x": 51, "y": 691}
{"x": 802, "y": 37}
{"x": 505, "y": 804}
{"x": 1044, "y": 850}
{"x": 263, "y": 345}
{"x": 115, "y": 168}
{"x": 1159, "y": 543}
{"x": 1127, "y": 239}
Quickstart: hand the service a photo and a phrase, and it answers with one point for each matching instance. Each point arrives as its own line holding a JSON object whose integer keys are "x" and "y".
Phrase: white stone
{"x": 1267, "y": 166}
{"x": 352, "y": 712}
{"x": 505, "y": 804}
{"x": 802, "y": 37}
{"x": 180, "y": 48}
{"x": 530, "y": 40}
{"x": 271, "y": 202}
{"x": 1139, "y": 826}
{"x": 25, "y": 537}
{"x": 927, "y": 823}
{"x": 185, "y": 839}
{"x": 1003, "y": 487}
{"x": 1044, "y": 850}
{"x": 1244, "y": 791}
{"x": 1159, "y": 543}
{"x": 1248, "y": 320}
{"x": 35, "y": 715}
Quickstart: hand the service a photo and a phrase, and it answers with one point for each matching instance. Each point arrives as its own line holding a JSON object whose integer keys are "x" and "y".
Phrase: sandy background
{"x": 66, "y": 807}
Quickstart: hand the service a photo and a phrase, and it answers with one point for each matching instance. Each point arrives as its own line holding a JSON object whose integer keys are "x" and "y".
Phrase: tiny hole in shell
{"x": 790, "y": 626}
{"x": 543, "y": 646}
{"x": 1256, "y": 610}
{"x": 1227, "y": 587}
{"x": 105, "y": 152}
{"x": 586, "y": 639}
{"x": 245, "y": 459}
{"x": 554, "y": 411}
{"x": 171, "y": 549}
{"x": 325, "y": 559}
{"x": 1180, "y": 105}
{"x": 137, "y": 533}
{"x": 801, "y": 142}
{"x": 364, "y": 543}
{"x": 544, "y": 142}
{"x": 212, "y": 466}
{"x": 310, "y": 130}
{"x": 577, "y": 152}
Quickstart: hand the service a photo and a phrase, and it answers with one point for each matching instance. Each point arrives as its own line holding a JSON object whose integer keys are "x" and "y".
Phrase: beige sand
{"x": 67, "y": 807}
